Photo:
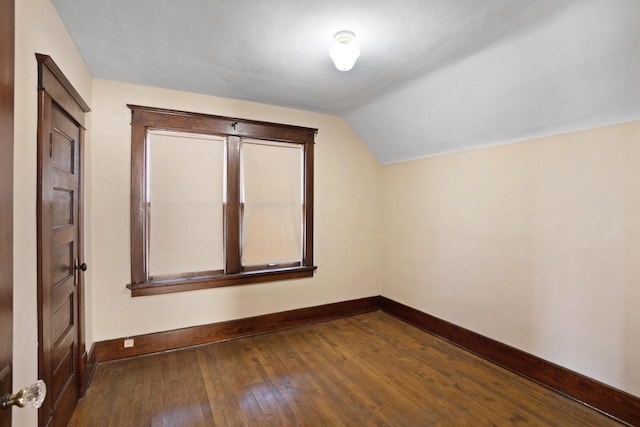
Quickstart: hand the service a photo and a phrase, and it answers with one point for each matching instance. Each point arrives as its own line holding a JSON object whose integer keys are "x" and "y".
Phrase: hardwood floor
{"x": 370, "y": 369}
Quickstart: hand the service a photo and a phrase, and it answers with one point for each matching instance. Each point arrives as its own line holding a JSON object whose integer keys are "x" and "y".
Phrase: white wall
{"x": 535, "y": 244}
{"x": 347, "y": 219}
{"x": 38, "y": 29}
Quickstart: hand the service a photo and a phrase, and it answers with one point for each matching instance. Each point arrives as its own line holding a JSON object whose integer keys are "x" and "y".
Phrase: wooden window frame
{"x": 144, "y": 119}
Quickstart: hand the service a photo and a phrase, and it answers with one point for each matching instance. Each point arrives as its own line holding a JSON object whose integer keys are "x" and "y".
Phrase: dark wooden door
{"x": 59, "y": 167}
{"x": 6, "y": 201}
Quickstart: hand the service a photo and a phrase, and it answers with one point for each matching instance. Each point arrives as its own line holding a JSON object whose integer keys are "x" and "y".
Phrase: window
{"x": 218, "y": 201}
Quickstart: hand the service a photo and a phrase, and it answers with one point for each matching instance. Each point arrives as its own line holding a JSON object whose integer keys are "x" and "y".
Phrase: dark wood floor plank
{"x": 331, "y": 367}
{"x": 370, "y": 369}
{"x": 306, "y": 386}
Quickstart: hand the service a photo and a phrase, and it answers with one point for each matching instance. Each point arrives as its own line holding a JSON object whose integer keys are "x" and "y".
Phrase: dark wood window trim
{"x": 144, "y": 119}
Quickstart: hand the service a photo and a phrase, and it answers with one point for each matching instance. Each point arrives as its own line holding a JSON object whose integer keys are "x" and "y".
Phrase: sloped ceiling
{"x": 434, "y": 76}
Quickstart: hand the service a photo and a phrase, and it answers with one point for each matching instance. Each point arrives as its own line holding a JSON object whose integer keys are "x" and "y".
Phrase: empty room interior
{"x": 322, "y": 213}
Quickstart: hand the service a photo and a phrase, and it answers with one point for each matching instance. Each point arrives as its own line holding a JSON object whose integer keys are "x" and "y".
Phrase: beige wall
{"x": 38, "y": 29}
{"x": 535, "y": 244}
{"x": 347, "y": 219}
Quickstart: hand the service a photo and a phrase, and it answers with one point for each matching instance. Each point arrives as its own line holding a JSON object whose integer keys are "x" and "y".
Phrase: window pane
{"x": 185, "y": 202}
{"x": 272, "y": 197}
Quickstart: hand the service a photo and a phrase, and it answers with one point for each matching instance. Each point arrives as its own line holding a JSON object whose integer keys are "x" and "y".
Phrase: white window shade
{"x": 185, "y": 202}
{"x": 272, "y": 194}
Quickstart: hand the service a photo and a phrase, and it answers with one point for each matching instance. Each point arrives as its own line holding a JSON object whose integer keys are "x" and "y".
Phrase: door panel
{"x": 7, "y": 14}
{"x": 62, "y": 208}
{"x": 59, "y": 167}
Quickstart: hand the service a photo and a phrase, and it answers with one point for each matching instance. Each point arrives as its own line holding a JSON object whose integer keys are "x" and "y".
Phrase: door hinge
{"x": 50, "y": 145}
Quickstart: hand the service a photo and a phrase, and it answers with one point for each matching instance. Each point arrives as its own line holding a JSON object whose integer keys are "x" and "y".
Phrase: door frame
{"x": 54, "y": 86}
{"x": 7, "y": 89}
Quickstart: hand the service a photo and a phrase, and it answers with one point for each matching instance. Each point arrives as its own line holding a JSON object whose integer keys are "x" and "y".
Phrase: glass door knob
{"x": 29, "y": 397}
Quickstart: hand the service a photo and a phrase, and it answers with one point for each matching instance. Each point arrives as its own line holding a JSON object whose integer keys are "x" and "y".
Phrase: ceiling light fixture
{"x": 345, "y": 52}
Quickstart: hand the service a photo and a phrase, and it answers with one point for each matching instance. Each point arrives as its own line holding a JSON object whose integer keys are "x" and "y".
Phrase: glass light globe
{"x": 345, "y": 52}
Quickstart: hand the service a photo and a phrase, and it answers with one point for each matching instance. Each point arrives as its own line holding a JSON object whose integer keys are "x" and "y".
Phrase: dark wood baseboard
{"x": 196, "y": 335}
{"x": 88, "y": 368}
{"x": 615, "y": 403}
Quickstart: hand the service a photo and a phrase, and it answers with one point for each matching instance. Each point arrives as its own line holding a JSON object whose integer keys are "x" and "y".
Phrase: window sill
{"x": 207, "y": 282}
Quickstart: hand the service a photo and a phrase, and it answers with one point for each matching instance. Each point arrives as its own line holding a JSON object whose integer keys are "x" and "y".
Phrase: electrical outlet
{"x": 128, "y": 342}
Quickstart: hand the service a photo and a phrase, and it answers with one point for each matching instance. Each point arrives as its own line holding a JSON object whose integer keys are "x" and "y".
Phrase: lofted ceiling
{"x": 434, "y": 76}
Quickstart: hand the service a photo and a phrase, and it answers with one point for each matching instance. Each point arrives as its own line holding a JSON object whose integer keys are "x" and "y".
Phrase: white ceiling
{"x": 434, "y": 76}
